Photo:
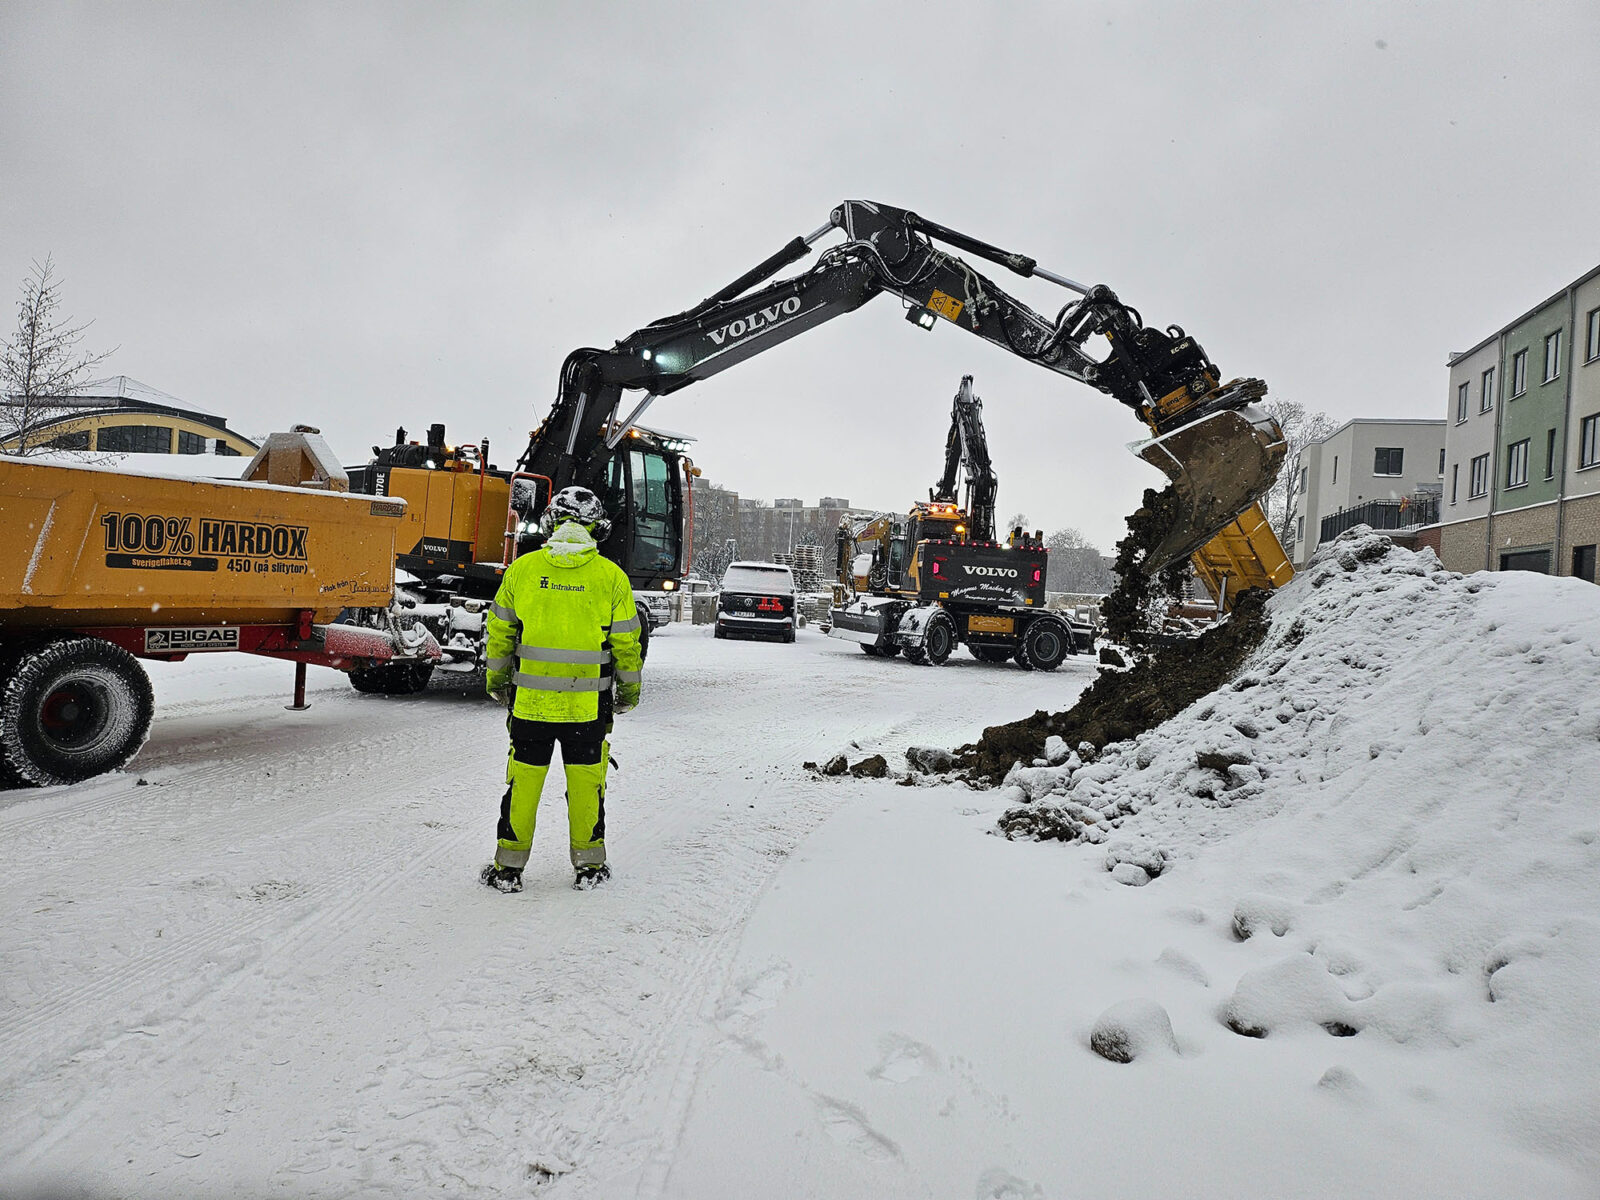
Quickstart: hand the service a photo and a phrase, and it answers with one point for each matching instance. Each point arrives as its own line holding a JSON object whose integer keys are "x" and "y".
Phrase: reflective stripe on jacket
{"x": 562, "y": 627}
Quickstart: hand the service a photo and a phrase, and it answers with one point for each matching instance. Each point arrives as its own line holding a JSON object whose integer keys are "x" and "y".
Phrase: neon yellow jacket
{"x": 561, "y": 628}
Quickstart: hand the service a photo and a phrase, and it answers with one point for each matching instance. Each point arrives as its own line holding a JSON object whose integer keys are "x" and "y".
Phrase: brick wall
{"x": 1521, "y": 528}
{"x": 1429, "y": 536}
{"x": 1461, "y": 546}
{"x": 1580, "y": 526}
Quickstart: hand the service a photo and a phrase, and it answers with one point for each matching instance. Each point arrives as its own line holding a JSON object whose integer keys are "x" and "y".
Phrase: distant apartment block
{"x": 1386, "y": 474}
{"x": 1522, "y": 442}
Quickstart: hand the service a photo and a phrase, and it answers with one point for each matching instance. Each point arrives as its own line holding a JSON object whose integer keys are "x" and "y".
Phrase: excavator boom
{"x": 1221, "y": 456}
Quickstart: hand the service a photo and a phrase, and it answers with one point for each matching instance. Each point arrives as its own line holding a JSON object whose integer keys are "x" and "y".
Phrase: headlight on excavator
{"x": 668, "y": 584}
{"x": 921, "y": 316}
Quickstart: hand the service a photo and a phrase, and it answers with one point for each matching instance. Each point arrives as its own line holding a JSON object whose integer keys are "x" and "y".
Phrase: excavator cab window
{"x": 655, "y": 532}
{"x": 897, "y": 558}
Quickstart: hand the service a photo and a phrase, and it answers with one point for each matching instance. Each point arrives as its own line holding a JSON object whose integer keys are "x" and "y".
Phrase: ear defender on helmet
{"x": 576, "y": 504}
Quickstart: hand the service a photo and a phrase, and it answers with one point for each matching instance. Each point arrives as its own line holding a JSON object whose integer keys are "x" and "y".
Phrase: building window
{"x": 70, "y": 441}
{"x": 1455, "y": 480}
{"x": 1583, "y": 562}
{"x": 1336, "y": 468}
{"x": 1591, "y": 341}
{"x": 1552, "y": 356}
{"x": 1517, "y": 463}
{"x": 1301, "y": 487}
{"x": 1299, "y": 529}
{"x": 1486, "y": 398}
{"x": 1462, "y": 393}
{"x": 226, "y": 450}
{"x": 1480, "y": 477}
{"x": 190, "y": 443}
{"x": 1387, "y": 461}
{"x": 1550, "y": 454}
{"x": 1441, "y": 462}
{"x": 1519, "y": 373}
{"x": 134, "y": 439}
{"x": 1586, "y": 441}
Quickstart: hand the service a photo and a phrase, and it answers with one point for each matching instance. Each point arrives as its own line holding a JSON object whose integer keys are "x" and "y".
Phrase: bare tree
{"x": 1300, "y": 429}
{"x": 1075, "y": 564}
{"x": 1015, "y": 521}
{"x": 41, "y": 365}
{"x": 716, "y": 529}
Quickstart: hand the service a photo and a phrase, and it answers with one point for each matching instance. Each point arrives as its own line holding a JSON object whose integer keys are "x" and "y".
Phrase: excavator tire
{"x": 916, "y": 654}
{"x": 939, "y": 639}
{"x": 1045, "y": 643}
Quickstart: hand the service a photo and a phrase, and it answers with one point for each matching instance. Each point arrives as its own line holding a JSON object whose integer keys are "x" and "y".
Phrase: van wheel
{"x": 73, "y": 708}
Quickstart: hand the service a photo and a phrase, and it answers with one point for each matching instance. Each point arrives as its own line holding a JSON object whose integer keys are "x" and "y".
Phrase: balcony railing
{"x": 1406, "y": 513}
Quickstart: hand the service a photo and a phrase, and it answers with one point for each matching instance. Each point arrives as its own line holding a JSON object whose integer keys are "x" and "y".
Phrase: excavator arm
{"x": 966, "y": 452}
{"x": 1221, "y": 453}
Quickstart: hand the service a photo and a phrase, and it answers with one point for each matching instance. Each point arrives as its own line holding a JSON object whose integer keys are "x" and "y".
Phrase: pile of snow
{"x": 1411, "y": 760}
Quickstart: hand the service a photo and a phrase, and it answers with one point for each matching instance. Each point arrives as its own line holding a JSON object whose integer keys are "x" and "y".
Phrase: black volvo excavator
{"x": 936, "y": 577}
{"x": 1220, "y": 452}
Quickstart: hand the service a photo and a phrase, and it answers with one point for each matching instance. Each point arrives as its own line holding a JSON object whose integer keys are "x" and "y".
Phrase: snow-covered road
{"x": 259, "y": 961}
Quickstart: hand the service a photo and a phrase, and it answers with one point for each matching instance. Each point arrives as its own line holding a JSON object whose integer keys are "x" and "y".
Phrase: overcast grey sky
{"x": 360, "y": 216}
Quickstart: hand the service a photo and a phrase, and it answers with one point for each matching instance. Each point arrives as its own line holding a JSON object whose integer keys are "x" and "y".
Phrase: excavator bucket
{"x": 1219, "y": 465}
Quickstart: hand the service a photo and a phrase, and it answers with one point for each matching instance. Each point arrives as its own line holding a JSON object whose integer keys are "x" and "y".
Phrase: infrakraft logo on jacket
{"x": 544, "y": 583}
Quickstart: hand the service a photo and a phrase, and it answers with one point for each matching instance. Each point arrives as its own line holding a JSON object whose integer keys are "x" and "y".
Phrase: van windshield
{"x": 770, "y": 580}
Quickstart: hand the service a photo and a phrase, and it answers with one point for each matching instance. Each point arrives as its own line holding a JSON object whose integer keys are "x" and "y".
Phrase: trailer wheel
{"x": 991, "y": 654}
{"x": 73, "y": 708}
{"x": 1045, "y": 643}
{"x": 939, "y": 639}
{"x": 392, "y": 679}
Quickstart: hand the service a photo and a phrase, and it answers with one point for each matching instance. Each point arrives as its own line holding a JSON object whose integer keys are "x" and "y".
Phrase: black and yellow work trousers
{"x": 585, "y": 752}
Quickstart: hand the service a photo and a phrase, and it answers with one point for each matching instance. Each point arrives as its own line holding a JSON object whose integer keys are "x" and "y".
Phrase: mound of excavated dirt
{"x": 1122, "y": 704}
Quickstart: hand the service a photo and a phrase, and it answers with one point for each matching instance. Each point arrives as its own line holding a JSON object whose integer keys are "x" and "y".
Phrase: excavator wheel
{"x": 939, "y": 639}
{"x": 1045, "y": 643}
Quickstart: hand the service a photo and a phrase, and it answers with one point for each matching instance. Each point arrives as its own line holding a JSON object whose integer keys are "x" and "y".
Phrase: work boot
{"x": 502, "y": 879}
{"x": 591, "y": 877}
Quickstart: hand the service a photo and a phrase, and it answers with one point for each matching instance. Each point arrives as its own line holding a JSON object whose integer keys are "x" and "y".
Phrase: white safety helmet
{"x": 576, "y": 504}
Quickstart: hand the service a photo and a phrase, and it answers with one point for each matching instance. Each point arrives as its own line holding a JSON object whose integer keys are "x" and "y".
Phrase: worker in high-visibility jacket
{"x": 563, "y": 633}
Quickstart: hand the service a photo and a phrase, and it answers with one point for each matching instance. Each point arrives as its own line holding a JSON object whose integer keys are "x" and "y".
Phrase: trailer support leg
{"x": 299, "y": 704}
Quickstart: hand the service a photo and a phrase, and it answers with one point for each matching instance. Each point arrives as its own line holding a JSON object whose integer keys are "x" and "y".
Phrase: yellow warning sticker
{"x": 947, "y": 307}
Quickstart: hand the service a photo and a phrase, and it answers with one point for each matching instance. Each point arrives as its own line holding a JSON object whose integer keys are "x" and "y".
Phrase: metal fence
{"x": 1405, "y": 513}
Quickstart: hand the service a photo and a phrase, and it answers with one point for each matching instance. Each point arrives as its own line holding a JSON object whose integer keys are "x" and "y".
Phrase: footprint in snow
{"x": 902, "y": 1058}
{"x": 999, "y": 1184}
{"x": 848, "y": 1125}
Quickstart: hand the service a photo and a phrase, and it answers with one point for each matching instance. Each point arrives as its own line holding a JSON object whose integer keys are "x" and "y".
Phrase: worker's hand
{"x": 503, "y": 695}
{"x": 627, "y": 697}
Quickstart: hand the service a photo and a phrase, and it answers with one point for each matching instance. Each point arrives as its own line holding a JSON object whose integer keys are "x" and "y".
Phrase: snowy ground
{"x": 271, "y": 972}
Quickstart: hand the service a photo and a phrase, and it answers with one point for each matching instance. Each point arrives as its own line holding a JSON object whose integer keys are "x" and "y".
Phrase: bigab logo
{"x": 190, "y": 638}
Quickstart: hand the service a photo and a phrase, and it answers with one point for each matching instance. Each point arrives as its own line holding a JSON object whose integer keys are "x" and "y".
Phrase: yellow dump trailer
{"x": 100, "y": 567}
